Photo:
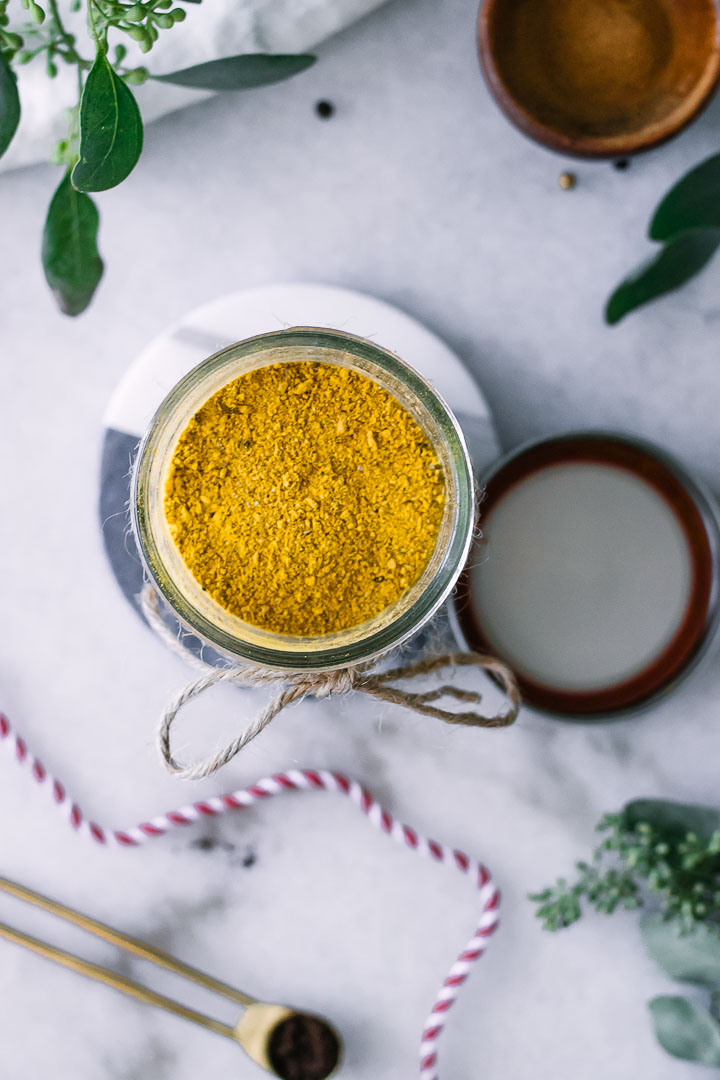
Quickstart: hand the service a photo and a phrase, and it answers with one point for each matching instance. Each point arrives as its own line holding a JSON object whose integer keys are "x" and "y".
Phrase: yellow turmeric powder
{"x": 304, "y": 498}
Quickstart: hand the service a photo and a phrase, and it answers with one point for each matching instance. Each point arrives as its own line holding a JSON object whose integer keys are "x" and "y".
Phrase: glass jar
{"x": 228, "y": 633}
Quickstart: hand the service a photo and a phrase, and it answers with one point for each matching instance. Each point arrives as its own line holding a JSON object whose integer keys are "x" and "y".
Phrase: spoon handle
{"x": 124, "y": 941}
{"x": 118, "y": 982}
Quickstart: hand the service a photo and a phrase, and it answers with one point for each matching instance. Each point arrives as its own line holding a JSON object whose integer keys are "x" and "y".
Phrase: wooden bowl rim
{"x": 595, "y": 146}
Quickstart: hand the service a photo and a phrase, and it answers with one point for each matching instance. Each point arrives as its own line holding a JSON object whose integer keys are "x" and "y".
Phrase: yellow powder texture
{"x": 304, "y": 498}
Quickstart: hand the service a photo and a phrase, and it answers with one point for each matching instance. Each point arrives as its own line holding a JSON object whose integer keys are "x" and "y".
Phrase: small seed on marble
{"x": 567, "y": 180}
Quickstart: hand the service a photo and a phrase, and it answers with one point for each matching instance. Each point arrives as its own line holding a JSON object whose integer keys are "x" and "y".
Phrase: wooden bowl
{"x": 600, "y": 78}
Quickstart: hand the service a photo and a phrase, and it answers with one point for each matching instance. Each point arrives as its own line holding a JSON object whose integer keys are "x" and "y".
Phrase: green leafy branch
{"x": 105, "y": 130}
{"x": 667, "y": 853}
{"x": 687, "y": 224}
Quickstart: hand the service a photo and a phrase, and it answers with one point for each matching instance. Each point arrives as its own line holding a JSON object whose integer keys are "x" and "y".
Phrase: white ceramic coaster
{"x": 241, "y": 315}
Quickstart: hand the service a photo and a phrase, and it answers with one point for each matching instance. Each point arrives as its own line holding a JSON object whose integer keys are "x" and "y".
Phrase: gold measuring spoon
{"x": 287, "y": 1043}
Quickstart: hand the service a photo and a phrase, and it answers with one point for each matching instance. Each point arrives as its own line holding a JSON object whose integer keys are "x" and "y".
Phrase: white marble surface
{"x": 419, "y": 191}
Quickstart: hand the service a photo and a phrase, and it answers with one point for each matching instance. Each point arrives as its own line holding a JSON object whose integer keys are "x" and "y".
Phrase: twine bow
{"x": 295, "y": 687}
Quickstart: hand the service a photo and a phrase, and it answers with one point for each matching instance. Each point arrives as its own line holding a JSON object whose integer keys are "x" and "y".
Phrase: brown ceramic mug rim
{"x": 588, "y": 146}
{"x": 693, "y": 509}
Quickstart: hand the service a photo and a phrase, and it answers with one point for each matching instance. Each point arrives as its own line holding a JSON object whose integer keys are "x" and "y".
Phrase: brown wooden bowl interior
{"x": 600, "y": 78}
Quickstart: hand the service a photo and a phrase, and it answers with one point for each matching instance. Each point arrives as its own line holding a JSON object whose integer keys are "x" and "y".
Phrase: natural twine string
{"x": 296, "y": 686}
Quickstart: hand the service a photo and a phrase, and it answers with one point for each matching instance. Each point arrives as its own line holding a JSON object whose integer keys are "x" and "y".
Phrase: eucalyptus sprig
{"x": 666, "y": 854}
{"x": 653, "y": 848}
{"x": 687, "y": 226}
{"x": 105, "y": 134}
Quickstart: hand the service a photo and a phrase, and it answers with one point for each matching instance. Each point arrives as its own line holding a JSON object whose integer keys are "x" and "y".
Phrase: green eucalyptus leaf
{"x": 70, "y": 258}
{"x": 689, "y": 957}
{"x": 677, "y": 262}
{"x": 239, "y": 72}
{"x": 9, "y": 104}
{"x": 694, "y": 203}
{"x": 685, "y": 1031}
{"x": 715, "y": 1004}
{"x": 111, "y": 131}
{"x": 674, "y": 820}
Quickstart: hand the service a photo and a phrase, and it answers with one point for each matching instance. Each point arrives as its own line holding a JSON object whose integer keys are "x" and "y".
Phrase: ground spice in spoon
{"x": 303, "y": 1048}
{"x": 304, "y": 498}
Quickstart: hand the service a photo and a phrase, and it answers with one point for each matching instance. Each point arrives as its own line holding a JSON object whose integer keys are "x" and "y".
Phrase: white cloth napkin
{"x": 213, "y": 29}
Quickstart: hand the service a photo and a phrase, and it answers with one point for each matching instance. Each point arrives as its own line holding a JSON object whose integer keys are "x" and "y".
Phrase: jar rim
{"x": 381, "y": 634}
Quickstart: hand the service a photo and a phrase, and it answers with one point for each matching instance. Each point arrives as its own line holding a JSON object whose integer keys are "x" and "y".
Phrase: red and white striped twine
{"x": 299, "y": 780}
